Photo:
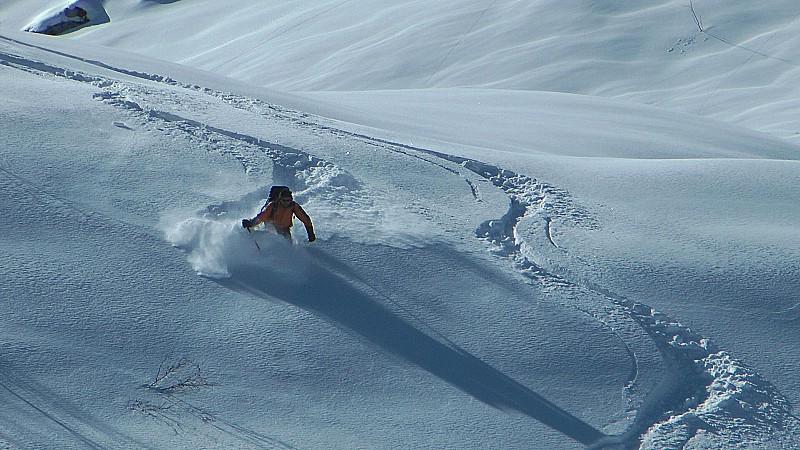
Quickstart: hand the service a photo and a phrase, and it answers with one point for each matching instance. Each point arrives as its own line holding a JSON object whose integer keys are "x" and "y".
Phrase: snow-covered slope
{"x": 598, "y": 264}
{"x": 741, "y": 67}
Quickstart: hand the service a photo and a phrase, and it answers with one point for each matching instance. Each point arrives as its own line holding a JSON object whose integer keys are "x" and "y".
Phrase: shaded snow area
{"x": 540, "y": 226}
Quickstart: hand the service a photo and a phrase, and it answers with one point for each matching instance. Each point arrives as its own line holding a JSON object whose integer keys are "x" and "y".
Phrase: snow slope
{"x": 495, "y": 268}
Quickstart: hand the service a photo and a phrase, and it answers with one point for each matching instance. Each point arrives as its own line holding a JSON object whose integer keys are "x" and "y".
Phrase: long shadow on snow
{"x": 326, "y": 294}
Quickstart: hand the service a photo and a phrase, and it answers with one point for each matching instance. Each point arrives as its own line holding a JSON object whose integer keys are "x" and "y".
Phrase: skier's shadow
{"x": 326, "y": 294}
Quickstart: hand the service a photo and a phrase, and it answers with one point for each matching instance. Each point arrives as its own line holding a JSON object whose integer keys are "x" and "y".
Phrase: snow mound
{"x": 69, "y": 17}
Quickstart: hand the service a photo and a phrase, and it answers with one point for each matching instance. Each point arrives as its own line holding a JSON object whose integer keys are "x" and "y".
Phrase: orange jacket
{"x": 282, "y": 218}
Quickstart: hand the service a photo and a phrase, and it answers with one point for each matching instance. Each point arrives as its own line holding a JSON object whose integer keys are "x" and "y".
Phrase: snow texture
{"x": 540, "y": 225}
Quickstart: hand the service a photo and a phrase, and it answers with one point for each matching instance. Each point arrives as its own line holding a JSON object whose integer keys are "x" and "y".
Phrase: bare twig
{"x": 149, "y": 408}
{"x": 178, "y": 375}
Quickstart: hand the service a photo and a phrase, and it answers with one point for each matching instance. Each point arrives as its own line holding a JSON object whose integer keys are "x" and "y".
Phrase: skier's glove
{"x": 247, "y": 223}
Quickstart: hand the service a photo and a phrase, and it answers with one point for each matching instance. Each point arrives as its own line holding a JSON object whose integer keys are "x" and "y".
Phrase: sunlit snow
{"x": 540, "y": 224}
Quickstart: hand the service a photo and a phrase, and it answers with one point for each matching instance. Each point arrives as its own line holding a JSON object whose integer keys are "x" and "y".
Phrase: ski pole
{"x": 254, "y": 239}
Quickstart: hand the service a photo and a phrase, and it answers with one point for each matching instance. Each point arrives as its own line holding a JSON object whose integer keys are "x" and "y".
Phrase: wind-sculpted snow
{"x": 680, "y": 388}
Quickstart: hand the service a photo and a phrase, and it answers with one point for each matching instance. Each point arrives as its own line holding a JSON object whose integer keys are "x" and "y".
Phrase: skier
{"x": 279, "y": 211}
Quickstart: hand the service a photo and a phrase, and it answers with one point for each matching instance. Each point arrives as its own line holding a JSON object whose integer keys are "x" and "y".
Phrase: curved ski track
{"x": 703, "y": 388}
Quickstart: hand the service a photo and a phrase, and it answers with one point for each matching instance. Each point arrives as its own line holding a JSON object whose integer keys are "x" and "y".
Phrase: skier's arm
{"x": 301, "y": 214}
{"x": 263, "y": 216}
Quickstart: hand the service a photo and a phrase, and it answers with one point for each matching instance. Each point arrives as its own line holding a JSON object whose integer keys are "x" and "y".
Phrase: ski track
{"x": 719, "y": 396}
{"x": 56, "y": 414}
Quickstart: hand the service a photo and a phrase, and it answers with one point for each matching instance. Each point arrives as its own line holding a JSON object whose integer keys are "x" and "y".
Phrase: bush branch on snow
{"x": 178, "y": 375}
{"x": 172, "y": 377}
{"x": 149, "y": 408}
